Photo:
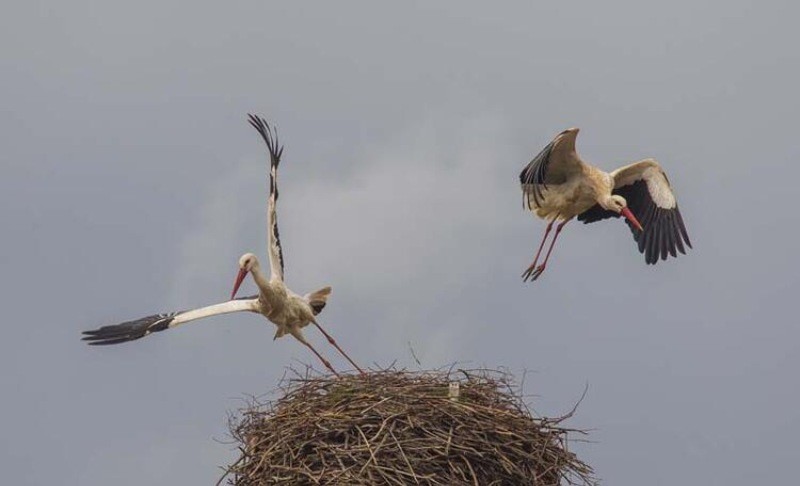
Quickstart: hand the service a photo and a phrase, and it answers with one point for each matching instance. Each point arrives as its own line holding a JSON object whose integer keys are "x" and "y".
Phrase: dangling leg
{"x": 299, "y": 336}
{"x": 333, "y": 342}
{"x": 541, "y": 267}
{"x": 527, "y": 273}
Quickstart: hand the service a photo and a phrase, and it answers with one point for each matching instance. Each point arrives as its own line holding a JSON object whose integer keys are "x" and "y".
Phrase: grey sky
{"x": 131, "y": 183}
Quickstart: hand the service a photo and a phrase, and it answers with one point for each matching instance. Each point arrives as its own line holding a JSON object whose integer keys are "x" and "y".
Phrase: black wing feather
{"x": 130, "y": 330}
{"x": 270, "y": 136}
{"x": 664, "y": 231}
{"x": 535, "y": 174}
{"x": 673, "y": 235}
{"x": 596, "y": 213}
{"x": 678, "y": 238}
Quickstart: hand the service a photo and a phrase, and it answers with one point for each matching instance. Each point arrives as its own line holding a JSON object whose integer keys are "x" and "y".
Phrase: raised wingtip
{"x": 567, "y": 138}
{"x": 270, "y": 136}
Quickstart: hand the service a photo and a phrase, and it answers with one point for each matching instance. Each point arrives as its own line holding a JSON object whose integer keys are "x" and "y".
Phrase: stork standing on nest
{"x": 557, "y": 186}
{"x": 289, "y": 311}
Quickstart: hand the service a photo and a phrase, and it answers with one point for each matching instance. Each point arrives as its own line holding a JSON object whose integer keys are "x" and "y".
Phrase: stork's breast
{"x": 568, "y": 200}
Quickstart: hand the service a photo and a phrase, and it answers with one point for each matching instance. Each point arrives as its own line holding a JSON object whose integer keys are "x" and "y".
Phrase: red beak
{"x": 239, "y": 278}
{"x": 630, "y": 217}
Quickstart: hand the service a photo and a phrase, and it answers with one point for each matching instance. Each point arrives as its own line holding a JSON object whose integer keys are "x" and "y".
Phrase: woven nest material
{"x": 398, "y": 427}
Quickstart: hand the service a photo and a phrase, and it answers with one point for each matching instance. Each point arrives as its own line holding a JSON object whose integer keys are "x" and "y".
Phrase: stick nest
{"x": 399, "y": 427}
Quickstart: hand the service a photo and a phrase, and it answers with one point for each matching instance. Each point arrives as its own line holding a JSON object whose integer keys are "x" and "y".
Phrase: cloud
{"x": 405, "y": 232}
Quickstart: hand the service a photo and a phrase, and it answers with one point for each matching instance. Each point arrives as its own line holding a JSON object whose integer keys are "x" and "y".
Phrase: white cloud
{"x": 406, "y": 231}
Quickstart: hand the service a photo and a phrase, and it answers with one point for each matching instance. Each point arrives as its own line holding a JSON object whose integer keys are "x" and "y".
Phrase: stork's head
{"x": 247, "y": 262}
{"x": 619, "y": 205}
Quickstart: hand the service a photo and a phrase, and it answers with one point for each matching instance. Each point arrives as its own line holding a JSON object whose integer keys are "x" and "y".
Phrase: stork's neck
{"x": 259, "y": 278}
{"x": 606, "y": 202}
{"x": 605, "y": 185}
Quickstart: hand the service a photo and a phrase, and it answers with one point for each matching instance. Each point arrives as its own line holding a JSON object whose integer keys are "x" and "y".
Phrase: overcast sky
{"x": 131, "y": 183}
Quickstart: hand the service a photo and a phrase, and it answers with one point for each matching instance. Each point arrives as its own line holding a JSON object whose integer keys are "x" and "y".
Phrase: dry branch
{"x": 397, "y": 427}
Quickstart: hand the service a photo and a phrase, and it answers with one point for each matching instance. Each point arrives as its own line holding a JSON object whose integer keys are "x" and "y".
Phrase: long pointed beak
{"x": 630, "y": 217}
{"x": 239, "y": 279}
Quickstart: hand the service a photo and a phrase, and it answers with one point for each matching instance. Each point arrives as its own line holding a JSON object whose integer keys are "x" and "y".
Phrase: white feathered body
{"x": 284, "y": 308}
{"x": 576, "y": 195}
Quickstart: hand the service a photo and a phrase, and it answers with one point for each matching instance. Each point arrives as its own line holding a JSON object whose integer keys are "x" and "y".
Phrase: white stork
{"x": 289, "y": 311}
{"x": 557, "y": 186}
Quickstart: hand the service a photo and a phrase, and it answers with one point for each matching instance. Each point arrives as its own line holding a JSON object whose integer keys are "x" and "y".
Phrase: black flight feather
{"x": 535, "y": 175}
{"x": 664, "y": 231}
{"x": 270, "y": 136}
{"x": 130, "y": 330}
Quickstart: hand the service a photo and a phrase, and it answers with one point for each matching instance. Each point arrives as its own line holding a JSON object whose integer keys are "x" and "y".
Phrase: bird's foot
{"x": 532, "y": 273}
{"x": 528, "y": 271}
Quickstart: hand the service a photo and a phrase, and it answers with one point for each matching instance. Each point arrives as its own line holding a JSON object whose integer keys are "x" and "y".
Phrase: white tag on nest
{"x": 453, "y": 390}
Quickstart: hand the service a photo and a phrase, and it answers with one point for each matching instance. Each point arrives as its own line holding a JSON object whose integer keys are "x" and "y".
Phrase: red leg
{"x": 333, "y": 342}
{"x": 324, "y": 361}
{"x": 299, "y": 336}
{"x": 527, "y": 273}
{"x": 538, "y": 272}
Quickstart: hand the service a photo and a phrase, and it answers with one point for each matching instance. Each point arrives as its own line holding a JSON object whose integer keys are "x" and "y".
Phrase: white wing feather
{"x": 651, "y": 172}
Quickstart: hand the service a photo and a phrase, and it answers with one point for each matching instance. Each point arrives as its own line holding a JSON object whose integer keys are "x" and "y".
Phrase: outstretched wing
{"x": 270, "y": 136}
{"x": 645, "y": 187}
{"x": 139, "y": 328}
{"x": 553, "y": 165}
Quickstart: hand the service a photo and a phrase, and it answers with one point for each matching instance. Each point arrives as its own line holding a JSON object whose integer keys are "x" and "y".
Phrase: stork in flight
{"x": 289, "y": 311}
{"x": 557, "y": 186}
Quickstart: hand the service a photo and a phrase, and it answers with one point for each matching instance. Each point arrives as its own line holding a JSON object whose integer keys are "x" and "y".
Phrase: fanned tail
{"x": 318, "y": 299}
